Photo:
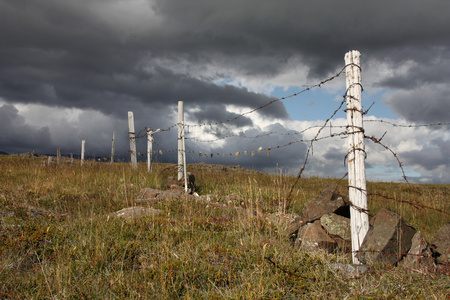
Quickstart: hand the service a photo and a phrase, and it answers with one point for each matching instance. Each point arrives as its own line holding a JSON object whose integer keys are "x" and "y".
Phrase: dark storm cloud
{"x": 320, "y": 31}
{"x": 17, "y": 136}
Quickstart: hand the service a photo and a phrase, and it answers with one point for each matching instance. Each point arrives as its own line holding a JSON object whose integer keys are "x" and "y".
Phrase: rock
{"x": 135, "y": 212}
{"x": 327, "y": 202}
{"x": 420, "y": 254}
{"x": 148, "y": 194}
{"x": 336, "y": 225}
{"x": 287, "y": 224}
{"x": 353, "y": 271}
{"x": 312, "y": 237}
{"x": 338, "y": 228}
{"x": 440, "y": 246}
{"x": 168, "y": 182}
{"x": 387, "y": 241}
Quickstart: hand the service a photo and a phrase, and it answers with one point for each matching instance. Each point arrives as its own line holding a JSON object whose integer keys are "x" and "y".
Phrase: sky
{"x": 71, "y": 71}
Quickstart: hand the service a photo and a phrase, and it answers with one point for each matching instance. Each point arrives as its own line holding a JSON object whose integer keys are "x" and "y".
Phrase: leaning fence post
{"x": 359, "y": 219}
{"x": 132, "y": 137}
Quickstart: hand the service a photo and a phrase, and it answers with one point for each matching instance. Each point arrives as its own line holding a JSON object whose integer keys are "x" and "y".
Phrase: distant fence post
{"x": 132, "y": 136}
{"x": 113, "y": 147}
{"x": 83, "y": 144}
{"x": 58, "y": 156}
{"x": 359, "y": 219}
{"x": 71, "y": 158}
{"x": 180, "y": 139}
{"x": 149, "y": 149}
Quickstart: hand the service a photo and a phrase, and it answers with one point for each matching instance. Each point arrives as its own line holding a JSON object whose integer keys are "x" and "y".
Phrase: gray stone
{"x": 353, "y": 271}
{"x": 440, "y": 246}
{"x": 338, "y": 228}
{"x": 387, "y": 241}
{"x": 327, "y": 202}
{"x": 336, "y": 225}
{"x": 148, "y": 194}
{"x": 135, "y": 212}
{"x": 312, "y": 236}
{"x": 420, "y": 254}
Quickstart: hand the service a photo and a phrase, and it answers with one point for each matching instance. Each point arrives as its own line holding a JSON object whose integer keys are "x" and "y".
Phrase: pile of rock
{"x": 325, "y": 224}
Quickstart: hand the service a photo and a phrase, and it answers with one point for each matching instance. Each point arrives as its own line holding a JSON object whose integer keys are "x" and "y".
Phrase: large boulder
{"x": 327, "y": 202}
{"x": 440, "y": 246}
{"x": 387, "y": 241}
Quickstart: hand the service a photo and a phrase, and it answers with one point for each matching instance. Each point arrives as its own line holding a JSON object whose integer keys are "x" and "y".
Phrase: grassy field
{"x": 56, "y": 243}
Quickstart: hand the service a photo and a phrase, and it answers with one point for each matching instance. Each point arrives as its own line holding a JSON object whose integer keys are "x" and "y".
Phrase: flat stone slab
{"x": 387, "y": 241}
{"x": 353, "y": 271}
{"x": 135, "y": 212}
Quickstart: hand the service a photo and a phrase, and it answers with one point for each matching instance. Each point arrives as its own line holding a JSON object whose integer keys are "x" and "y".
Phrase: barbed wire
{"x": 408, "y": 125}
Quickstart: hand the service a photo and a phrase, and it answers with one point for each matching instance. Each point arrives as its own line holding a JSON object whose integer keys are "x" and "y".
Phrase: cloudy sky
{"x": 71, "y": 70}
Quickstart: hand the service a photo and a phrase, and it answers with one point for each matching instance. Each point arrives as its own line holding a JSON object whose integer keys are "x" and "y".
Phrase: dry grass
{"x": 55, "y": 242}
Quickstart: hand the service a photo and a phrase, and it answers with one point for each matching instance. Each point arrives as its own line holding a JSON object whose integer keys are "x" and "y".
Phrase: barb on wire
{"x": 408, "y": 125}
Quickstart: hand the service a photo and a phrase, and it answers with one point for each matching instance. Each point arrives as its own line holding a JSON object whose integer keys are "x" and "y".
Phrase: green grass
{"x": 57, "y": 243}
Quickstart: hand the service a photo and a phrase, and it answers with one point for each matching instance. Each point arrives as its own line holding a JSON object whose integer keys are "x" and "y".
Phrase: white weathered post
{"x": 149, "y": 149}
{"x": 113, "y": 147}
{"x": 58, "y": 156}
{"x": 359, "y": 219}
{"x": 83, "y": 144}
{"x": 180, "y": 139}
{"x": 49, "y": 160}
{"x": 132, "y": 137}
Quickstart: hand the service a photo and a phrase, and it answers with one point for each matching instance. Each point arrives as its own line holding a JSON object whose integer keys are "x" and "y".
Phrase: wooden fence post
{"x": 359, "y": 219}
{"x": 180, "y": 139}
{"x": 58, "y": 156}
{"x": 113, "y": 147}
{"x": 83, "y": 144}
{"x": 132, "y": 136}
{"x": 149, "y": 149}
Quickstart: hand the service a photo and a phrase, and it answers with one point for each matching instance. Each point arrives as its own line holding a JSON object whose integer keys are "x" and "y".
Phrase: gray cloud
{"x": 427, "y": 103}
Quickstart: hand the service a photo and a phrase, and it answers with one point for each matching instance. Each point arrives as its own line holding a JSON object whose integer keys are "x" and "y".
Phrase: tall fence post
{"x": 180, "y": 139}
{"x": 359, "y": 219}
{"x": 83, "y": 144}
{"x": 132, "y": 136}
{"x": 113, "y": 147}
